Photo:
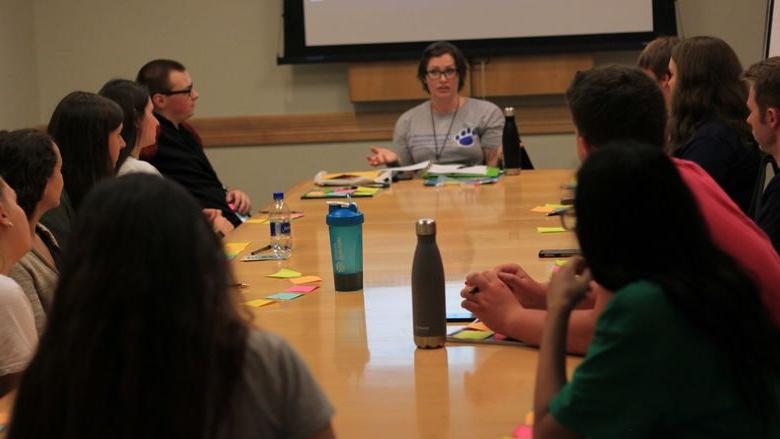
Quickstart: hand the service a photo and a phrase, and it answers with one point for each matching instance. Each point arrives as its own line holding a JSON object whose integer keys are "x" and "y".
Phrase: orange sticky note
{"x": 305, "y": 280}
{"x": 542, "y": 209}
{"x": 478, "y": 326}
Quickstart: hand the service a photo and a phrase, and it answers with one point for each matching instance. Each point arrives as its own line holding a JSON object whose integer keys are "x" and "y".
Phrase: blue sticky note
{"x": 284, "y": 296}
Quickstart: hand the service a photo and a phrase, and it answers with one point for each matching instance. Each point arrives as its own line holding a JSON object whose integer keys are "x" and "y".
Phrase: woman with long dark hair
{"x": 145, "y": 338}
{"x": 139, "y": 128}
{"x": 17, "y": 324}
{"x": 30, "y": 162}
{"x": 87, "y": 128}
{"x": 662, "y": 362}
{"x": 708, "y": 112}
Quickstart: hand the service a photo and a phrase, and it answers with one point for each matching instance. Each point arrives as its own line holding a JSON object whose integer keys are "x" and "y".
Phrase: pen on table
{"x": 261, "y": 249}
{"x": 558, "y": 211}
{"x": 268, "y": 211}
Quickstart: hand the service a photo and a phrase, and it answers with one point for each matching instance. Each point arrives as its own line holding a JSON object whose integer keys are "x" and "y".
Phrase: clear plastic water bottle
{"x": 281, "y": 232}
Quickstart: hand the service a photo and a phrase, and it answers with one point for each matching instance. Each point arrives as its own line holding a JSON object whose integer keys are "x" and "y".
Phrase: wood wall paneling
{"x": 346, "y": 127}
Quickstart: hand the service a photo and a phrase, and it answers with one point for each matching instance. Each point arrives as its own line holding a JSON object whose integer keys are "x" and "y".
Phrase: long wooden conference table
{"x": 359, "y": 344}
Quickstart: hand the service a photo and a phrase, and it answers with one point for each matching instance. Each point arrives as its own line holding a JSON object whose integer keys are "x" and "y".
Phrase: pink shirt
{"x": 736, "y": 234}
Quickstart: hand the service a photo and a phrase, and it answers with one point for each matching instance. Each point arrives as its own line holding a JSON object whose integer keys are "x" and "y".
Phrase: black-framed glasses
{"x": 186, "y": 91}
{"x": 448, "y": 73}
{"x": 569, "y": 219}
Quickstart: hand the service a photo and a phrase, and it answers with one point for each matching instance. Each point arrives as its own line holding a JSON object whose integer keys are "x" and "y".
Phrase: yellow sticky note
{"x": 284, "y": 273}
{"x": 232, "y": 249}
{"x": 257, "y": 303}
{"x": 556, "y": 206}
{"x": 367, "y": 190}
{"x": 560, "y": 262}
{"x": 256, "y": 221}
{"x": 529, "y": 418}
{"x": 542, "y": 209}
{"x": 473, "y": 335}
{"x": 478, "y": 326}
{"x": 550, "y": 229}
{"x": 305, "y": 280}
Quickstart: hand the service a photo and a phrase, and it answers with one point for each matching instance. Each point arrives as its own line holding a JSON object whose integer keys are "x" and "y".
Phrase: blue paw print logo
{"x": 465, "y": 137}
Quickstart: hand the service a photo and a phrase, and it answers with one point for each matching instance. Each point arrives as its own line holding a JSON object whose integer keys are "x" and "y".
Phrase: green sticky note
{"x": 473, "y": 335}
{"x": 284, "y": 296}
{"x": 284, "y": 273}
{"x": 550, "y": 229}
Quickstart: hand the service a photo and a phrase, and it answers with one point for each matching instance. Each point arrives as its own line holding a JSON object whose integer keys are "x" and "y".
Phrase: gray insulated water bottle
{"x": 428, "y": 309}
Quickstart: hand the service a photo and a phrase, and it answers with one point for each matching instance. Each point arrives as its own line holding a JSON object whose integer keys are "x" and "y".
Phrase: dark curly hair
{"x": 27, "y": 161}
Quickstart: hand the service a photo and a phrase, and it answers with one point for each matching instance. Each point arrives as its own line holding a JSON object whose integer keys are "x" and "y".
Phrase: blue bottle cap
{"x": 278, "y": 195}
{"x": 343, "y": 214}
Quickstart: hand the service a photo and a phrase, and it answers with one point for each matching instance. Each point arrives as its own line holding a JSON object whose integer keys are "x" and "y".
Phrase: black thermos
{"x": 511, "y": 143}
{"x": 428, "y": 307}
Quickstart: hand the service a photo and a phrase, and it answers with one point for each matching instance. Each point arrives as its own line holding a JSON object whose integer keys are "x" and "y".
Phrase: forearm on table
{"x": 528, "y": 325}
{"x": 491, "y": 156}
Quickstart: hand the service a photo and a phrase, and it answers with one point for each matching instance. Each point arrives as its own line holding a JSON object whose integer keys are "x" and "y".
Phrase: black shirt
{"x": 768, "y": 217}
{"x": 180, "y": 157}
{"x": 730, "y": 160}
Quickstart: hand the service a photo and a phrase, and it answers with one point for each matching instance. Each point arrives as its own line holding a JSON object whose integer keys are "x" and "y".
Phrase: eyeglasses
{"x": 569, "y": 219}
{"x": 186, "y": 91}
{"x": 448, "y": 73}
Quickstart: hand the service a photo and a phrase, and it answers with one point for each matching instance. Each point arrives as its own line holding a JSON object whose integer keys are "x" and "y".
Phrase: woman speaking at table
{"x": 448, "y": 128}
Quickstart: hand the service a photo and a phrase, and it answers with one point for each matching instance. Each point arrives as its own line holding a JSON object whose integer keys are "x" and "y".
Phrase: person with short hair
{"x": 31, "y": 162}
{"x": 654, "y": 60}
{"x": 630, "y": 106}
{"x": 179, "y": 151}
{"x": 764, "y": 104}
{"x": 663, "y": 361}
{"x": 146, "y": 338}
{"x": 87, "y": 128}
{"x": 18, "y": 337}
{"x": 448, "y": 128}
{"x": 707, "y": 120}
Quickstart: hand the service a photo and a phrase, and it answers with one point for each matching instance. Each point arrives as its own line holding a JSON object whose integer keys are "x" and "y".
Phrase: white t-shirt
{"x": 18, "y": 337}
{"x": 132, "y": 165}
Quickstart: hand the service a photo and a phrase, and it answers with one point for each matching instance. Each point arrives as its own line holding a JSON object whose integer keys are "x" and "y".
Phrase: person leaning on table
{"x": 448, "y": 128}
{"x": 662, "y": 362}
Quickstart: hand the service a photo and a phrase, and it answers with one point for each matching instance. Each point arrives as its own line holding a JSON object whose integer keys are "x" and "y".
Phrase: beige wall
{"x": 230, "y": 48}
{"x": 18, "y": 85}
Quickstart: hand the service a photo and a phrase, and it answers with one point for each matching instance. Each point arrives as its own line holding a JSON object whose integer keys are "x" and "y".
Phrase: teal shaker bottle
{"x": 346, "y": 245}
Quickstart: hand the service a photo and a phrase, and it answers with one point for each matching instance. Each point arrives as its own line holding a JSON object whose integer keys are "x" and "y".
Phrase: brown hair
{"x": 656, "y": 54}
{"x": 764, "y": 76}
{"x": 708, "y": 87}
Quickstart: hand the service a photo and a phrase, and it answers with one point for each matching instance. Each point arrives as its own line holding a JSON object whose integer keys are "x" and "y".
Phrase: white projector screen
{"x": 340, "y": 22}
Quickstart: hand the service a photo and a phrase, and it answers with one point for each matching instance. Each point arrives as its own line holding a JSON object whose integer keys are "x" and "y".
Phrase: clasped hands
{"x": 508, "y": 288}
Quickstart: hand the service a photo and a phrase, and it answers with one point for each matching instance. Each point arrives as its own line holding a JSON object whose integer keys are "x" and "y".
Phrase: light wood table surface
{"x": 359, "y": 344}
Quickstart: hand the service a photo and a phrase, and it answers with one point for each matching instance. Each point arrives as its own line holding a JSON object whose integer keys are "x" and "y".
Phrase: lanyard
{"x": 437, "y": 152}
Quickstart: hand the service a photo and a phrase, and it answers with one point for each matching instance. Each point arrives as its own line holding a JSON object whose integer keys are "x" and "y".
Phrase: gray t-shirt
{"x": 478, "y": 124}
{"x": 276, "y": 396}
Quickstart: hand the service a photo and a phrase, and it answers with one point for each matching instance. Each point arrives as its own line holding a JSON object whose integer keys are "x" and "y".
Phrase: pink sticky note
{"x": 344, "y": 191}
{"x": 523, "y": 432}
{"x": 305, "y": 280}
{"x": 302, "y": 288}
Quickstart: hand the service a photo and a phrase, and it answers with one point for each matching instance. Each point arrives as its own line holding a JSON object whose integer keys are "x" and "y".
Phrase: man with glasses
{"x": 179, "y": 154}
{"x": 609, "y": 105}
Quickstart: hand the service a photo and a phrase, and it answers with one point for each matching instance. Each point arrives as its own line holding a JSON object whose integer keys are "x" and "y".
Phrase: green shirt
{"x": 650, "y": 373}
